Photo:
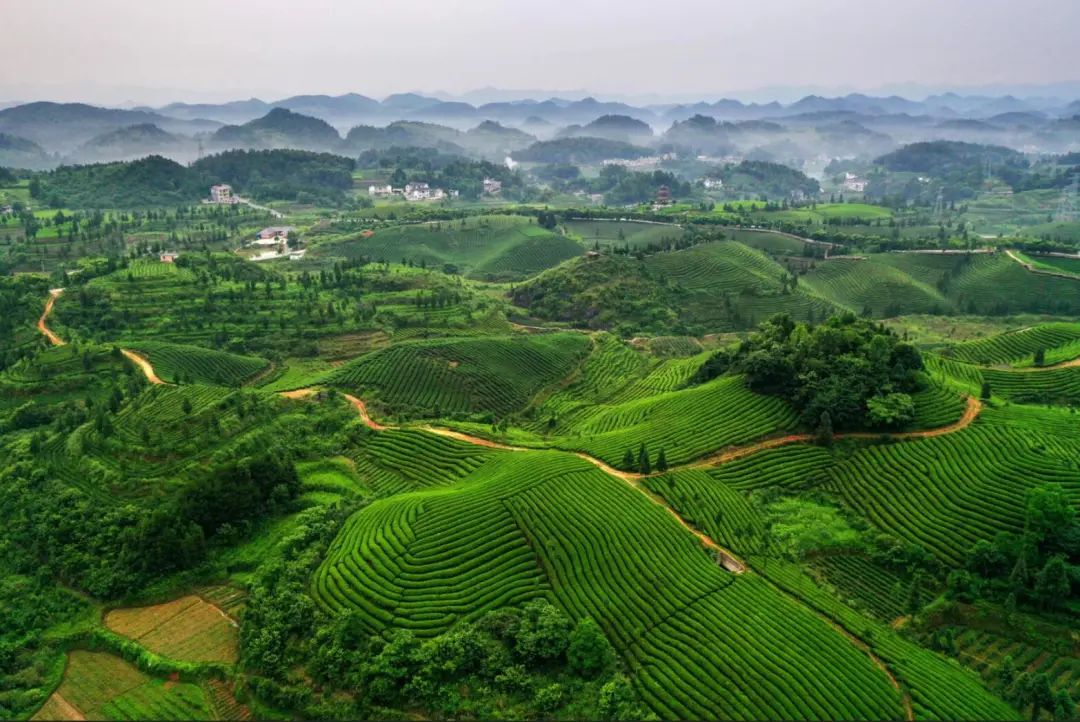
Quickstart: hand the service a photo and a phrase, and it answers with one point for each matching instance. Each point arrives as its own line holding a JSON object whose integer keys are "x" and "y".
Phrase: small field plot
{"x": 1058, "y": 341}
{"x": 686, "y": 423}
{"x": 187, "y": 629}
{"x": 98, "y": 685}
{"x": 869, "y": 285}
{"x": 621, "y": 233}
{"x": 486, "y": 375}
{"x": 775, "y": 243}
{"x": 487, "y": 247}
{"x": 175, "y": 362}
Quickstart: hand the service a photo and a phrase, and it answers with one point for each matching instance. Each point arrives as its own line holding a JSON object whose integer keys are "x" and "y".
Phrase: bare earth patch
{"x": 188, "y": 629}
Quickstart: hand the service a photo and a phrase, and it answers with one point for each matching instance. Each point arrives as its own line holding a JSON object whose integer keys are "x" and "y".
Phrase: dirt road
{"x": 53, "y": 338}
{"x": 145, "y": 366}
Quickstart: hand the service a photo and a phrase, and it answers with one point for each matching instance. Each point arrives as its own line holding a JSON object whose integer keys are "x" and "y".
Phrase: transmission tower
{"x": 939, "y": 204}
{"x": 1068, "y": 208}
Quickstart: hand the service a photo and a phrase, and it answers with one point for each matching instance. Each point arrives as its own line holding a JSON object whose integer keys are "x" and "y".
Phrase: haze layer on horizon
{"x": 114, "y": 51}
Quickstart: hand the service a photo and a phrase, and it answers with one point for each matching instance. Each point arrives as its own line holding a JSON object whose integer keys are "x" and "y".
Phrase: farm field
{"x": 98, "y": 685}
{"x": 188, "y": 629}
{"x": 489, "y": 248}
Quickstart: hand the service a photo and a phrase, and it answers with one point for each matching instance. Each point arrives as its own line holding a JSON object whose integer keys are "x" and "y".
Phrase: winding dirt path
{"x": 53, "y": 338}
{"x": 971, "y": 412}
{"x": 145, "y": 366}
{"x": 726, "y": 558}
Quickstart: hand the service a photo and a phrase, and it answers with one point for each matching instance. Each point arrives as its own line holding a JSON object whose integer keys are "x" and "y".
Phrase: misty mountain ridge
{"x": 813, "y": 127}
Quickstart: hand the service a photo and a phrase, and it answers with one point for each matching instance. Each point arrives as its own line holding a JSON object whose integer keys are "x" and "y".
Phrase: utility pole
{"x": 1067, "y": 207}
{"x": 939, "y": 204}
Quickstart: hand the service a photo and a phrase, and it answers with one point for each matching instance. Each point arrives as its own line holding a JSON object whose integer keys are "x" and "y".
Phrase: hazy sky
{"x": 159, "y": 50}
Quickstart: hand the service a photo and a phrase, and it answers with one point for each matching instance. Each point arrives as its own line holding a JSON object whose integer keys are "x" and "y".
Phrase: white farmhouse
{"x": 222, "y": 194}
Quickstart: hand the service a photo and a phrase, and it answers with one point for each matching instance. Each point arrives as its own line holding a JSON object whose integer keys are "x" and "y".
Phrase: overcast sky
{"x": 159, "y": 50}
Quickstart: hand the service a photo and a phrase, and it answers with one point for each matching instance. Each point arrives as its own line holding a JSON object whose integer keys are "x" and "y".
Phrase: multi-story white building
{"x": 222, "y": 193}
{"x": 854, "y": 183}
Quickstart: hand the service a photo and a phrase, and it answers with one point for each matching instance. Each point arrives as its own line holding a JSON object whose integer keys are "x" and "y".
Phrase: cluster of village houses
{"x": 424, "y": 192}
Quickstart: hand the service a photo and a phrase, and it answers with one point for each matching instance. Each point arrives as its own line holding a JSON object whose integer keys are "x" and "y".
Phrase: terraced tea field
{"x": 948, "y": 492}
{"x": 192, "y": 364}
{"x": 489, "y": 247}
{"x": 687, "y": 423}
{"x": 425, "y": 559}
{"x": 619, "y": 233}
{"x": 858, "y": 285}
{"x": 480, "y": 375}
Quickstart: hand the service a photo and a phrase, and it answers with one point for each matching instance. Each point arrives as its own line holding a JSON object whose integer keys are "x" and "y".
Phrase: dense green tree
{"x": 589, "y": 652}
{"x": 661, "y": 461}
{"x": 543, "y": 633}
{"x": 836, "y": 367}
{"x": 643, "y": 465}
{"x": 1052, "y": 584}
{"x": 823, "y": 435}
{"x": 891, "y": 411}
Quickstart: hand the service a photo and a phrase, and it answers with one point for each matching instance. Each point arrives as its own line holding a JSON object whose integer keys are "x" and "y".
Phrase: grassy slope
{"x": 499, "y": 247}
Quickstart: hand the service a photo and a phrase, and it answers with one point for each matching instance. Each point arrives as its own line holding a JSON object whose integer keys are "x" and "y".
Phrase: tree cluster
{"x": 1039, "y": 566}
{"x": 858, "y": 373}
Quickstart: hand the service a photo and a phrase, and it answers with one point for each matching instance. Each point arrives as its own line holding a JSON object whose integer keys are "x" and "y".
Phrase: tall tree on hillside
{"x": 824, "y": 433}
{"x": 661, "y": 461}
{"x": 1052, "y": 584}
{"x": 643, "y": 460}
{"x": 628, "y": 460}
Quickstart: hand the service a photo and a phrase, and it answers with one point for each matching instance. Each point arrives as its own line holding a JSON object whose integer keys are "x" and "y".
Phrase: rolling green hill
{"x": 714, "y": 286}
{"x": 493, "y": 376}
{"x": 489, "y": 248}
{"x": 514, "y": 507}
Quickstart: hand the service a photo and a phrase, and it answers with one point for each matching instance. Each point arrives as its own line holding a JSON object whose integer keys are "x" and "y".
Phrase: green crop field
{"x": 518, "y": 506}
{"x": 774, "y": 243}
{"x": 920, "y": 490}
{"x": 616, "y": 233}
{"x": 860, "y": 285}
{"x": 98, "y": 685}
{"x": 192, "y": 364}
{"x": 686, "y": 423}
{"x": 493, "y": 376}
{"x": 491, "y": 247}
{"x": 1057, "y": 340}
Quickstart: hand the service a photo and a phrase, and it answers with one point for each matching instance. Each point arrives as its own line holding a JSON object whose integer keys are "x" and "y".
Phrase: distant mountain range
{"x": 344, "y": 111}
{"x": 42, "y": 134}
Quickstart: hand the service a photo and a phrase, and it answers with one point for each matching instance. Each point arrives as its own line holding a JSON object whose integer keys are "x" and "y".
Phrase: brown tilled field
{"x": 188, "y": 629}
